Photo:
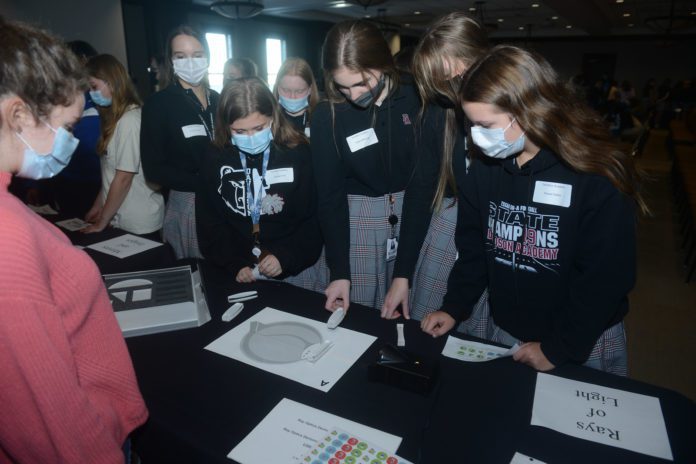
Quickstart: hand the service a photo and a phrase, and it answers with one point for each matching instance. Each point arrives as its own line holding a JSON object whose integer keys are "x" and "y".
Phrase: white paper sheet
{"x": 465, "y": 350}
{"x": 604, "y": 415}
{"x": 45, "y": 210}
{"x": 520, "y": 458}
{"x": 72, "y": 224}
{"x": 291, "y": 429}
{"x": 124, "y": 246}
{"x": 323, "y": 374}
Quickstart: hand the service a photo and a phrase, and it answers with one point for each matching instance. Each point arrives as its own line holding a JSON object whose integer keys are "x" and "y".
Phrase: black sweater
{"x": 418, "y": 200}
{"x": 173, "y": 137}
{"x": 372, "y": 171}
{"x": 224, "y": 225}
{"x": 556, "y": 249}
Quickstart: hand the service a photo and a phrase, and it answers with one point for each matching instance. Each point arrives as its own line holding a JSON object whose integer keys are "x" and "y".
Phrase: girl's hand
{"x": 245, "y": 276}
{"x": 530, "y": 354}
{"x": 270, "y": 266}
{"x": 397, "y": 295}
{"x": 338, "y": 295}
{"x": 437, "y": 323}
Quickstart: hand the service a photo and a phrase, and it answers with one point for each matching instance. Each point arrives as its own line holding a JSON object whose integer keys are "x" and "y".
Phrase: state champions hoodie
{"x": 555, "y": 247}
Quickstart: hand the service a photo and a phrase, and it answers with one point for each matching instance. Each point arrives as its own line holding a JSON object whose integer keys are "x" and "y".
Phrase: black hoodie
{"x": 556, "y": 249}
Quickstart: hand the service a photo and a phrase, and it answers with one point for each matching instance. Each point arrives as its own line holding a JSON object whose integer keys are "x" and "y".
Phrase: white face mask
{"x": 191, "y": 70}
{"x": 493, "y": 144}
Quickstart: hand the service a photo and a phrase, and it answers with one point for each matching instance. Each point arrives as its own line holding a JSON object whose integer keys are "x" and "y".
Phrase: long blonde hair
{"x": 552, "y": 115}
{"x": 300, "y": 68}
{"x": 123, "y": 95}
{"x": 453, "y": 37}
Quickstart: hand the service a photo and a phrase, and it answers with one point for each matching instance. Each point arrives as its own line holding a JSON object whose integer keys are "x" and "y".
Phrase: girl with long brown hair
{"x": 547, "y": 221}
{"x": 363, "y": 152}
{"x": 126, "y": 200}
{"x": 256, "y": 206}
{"x": 448, "y": 47}
{"x": 297, "y": 93}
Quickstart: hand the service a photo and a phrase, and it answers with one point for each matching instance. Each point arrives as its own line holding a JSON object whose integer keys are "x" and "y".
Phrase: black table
{"x": 203, "y": 404}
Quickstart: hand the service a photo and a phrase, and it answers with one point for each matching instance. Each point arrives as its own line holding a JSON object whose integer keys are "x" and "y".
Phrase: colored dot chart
{"x": 341, "y": 447}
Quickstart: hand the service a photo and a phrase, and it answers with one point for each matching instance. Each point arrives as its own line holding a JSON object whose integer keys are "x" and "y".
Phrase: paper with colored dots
{"x": 341, "y": 447}
{"x": 465, "y": 350}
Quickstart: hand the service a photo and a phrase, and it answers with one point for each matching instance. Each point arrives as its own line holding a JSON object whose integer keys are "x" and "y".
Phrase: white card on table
{"x": 362, "y": 139}
{"x": 124, "y": 246}
{"x": 520, "y": 458}
{"x": 552, "y": 193}
{"x": 73, "y": 224}
{"x": 194, "y": 130}
{"x": 465, "y": 350}
{"x": 601, "y": 414}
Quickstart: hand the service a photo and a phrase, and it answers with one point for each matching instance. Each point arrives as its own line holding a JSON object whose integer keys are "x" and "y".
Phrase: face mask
{"x": 191, "y": 70}
{"x": 367, "y": 98}
{"x": 444, "y": 100}
{"x": 293, "y": 105}
{"x": 255, "y": 143}
{"x": 99, "y": 99}
{"x": 493, "y": 144}
{"x": 37, "y": 166}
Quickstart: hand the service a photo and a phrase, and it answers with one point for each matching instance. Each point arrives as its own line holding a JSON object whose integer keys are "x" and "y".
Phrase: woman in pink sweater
{"x": 68, "y": 392}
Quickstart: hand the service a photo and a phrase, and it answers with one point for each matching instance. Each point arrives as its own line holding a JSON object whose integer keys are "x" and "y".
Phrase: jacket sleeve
{"x": 154, "y": 147}
{"x": 604, "y": 272}
{"x": 219, "y": 240}
{"x": 469, "y": 276}
{"x": 332, "y": 206}
{"x": 301, "y": 249}
{"x": 417, "y": 209}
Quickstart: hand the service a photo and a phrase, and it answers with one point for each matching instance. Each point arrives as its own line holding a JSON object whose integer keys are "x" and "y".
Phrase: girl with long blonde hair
{"x": 297, "y": 93}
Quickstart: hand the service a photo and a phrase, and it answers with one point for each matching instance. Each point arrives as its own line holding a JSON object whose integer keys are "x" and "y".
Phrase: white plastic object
{"x": 313, "y": 352}
{"x": 336, "y": 318}
{"x": 400, "y": 340}
{"x": 244, "y": 296}
{"x": 232, "y": 312}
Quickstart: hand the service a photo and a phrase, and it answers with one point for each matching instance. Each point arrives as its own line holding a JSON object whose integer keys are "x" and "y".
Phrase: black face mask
{"x": 446, "y": 101}
{"x": 368, "y": 98}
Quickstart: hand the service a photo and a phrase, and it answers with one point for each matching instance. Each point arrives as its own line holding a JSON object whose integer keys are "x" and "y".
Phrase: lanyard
{"x": 254, "y": 198}
{"x": 209, "y": 130}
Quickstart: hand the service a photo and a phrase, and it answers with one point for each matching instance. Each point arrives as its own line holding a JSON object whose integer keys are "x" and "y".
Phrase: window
{"x": 275, "y": 55}
{"x": 220, "y": 46}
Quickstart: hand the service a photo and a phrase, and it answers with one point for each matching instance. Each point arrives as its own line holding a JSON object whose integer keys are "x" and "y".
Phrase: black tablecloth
{"x": 203, "y": 404}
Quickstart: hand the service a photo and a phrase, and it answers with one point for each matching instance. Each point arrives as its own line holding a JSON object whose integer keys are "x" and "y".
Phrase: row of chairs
{"x": 682, "y": 144}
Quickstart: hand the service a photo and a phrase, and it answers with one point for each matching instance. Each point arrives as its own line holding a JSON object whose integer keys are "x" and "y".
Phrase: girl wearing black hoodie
{"x": 547, "y": 222}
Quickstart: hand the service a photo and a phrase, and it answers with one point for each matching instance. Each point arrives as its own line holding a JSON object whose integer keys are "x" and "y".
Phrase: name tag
{"x": 194, "y": 130}
{"x": 552, "y": 193}
{"x": 306, "y": 131}
{"x": 392, "y": 247}
{"x": 279, "y": 176}
{"x": 361, "y": 140}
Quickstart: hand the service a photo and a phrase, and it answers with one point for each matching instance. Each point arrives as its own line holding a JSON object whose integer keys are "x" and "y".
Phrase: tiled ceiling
{"x": 505, "y": 18}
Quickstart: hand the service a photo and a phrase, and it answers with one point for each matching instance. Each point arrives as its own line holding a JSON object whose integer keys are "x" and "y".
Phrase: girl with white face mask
{"x": 547, "y": 220}
{"x": 177, "y": 128}
{"x": 78, "y": 398}
{"x": 256, "y": 206}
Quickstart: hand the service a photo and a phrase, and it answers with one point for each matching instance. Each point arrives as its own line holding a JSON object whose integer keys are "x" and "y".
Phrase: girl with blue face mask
{"x": 256, "y": 205}
{"x": 547, "y": 220}
{"x": 296, "y": 91}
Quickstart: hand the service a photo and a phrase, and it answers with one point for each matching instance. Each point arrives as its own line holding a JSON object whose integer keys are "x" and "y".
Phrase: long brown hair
{"x": 358, "y": 46}
{"x": 552, "y": 115}
{"x": 245, "y": 96}
{"x": 123, "y": 95}
{"x": 167, "y": 76}
{"x": 38, "y": 68}
{"x": 453, "y": 37}
{"x": 300, "y": 68}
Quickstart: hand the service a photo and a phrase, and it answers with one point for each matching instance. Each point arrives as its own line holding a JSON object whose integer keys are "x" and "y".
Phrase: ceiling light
{"x": 237, "y": 9}
{"x": 626, "y": 15}
{"x": 368, "y": 16}
{"x": 500, "y": 20}
{"x": 407, "y": 25}
{"x": 340, "y": 5}
{"x": 693, "y": 13}
{"x": 569, "y": 26}
{"x": 554, "y": 17}
{"x": 472, "y": 9}
{"x": 521, "y": 28}
{"x": 619, "y": 1}
{"x": 535, "y": 5}
{"x": 416, "y": 12}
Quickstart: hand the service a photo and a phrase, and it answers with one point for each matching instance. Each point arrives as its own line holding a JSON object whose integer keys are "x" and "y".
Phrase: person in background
{"x": 236, "y": 68}
{"x": 547, "y": 220}
{"x": 363, "y": 141}
{"x": 178, "y": 125}
{"x": 126, "y": 201}
{"x": 448, "y": 47}
{"x": 296, "y": 91}
{"x": 256, "y": 207}
{"x": 68, "y": 390}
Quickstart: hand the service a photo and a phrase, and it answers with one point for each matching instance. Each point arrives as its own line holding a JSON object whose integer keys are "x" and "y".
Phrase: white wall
{"x": 98, "y": 22}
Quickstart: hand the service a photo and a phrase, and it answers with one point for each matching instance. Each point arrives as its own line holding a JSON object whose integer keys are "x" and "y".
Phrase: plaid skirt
{"x": 315, "y": 277}
{"x": 437, "y": 256}
{"x": 370, "y": 272}
{"x": 608, "y": 354}
{"x": 179, "y": 227}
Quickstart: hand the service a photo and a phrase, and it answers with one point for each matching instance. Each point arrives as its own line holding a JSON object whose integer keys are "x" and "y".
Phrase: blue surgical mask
{"x": 493, "y": 144}
{"x": 98, "y": 98}
{"x": 36, "y": 166}
{"x": 255, "y": 143}
{"x": 293, "y": 105}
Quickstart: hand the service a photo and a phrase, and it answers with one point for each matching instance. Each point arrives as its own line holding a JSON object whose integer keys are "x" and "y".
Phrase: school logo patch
{"x": 406, "y": 119}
